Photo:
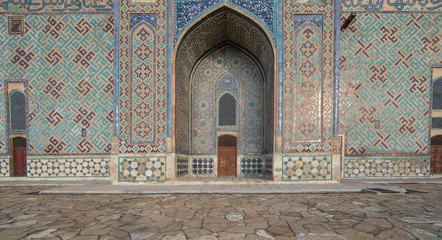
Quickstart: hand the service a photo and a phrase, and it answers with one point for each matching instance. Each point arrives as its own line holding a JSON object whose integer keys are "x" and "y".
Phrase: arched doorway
{"x": 224, "y": 82}
{"x": 436, "y": 154}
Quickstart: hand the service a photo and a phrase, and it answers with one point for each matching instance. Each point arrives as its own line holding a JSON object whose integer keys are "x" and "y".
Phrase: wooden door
{"x": 226, "y": 161}
{"x": 436, "y": 159}
{"x": 19, "y": 161}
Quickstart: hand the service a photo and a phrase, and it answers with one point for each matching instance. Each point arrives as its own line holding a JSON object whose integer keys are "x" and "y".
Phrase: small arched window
{"x": 17, "y": 102}
{"x": 227, "y": 110}
{"x": 437, "y": 94}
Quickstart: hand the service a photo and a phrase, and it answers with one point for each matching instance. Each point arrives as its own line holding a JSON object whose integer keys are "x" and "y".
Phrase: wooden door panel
{"x": 227, "y": 161}
{"x": 20, "y": 162}
{"x": 436, "y": 159}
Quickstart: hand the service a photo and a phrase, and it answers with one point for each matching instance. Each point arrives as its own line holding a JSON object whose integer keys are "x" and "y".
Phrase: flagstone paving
{"x": 27, "y": 215}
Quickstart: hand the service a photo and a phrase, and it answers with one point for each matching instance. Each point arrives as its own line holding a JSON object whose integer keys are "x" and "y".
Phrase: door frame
{"x": 232, "y": 133}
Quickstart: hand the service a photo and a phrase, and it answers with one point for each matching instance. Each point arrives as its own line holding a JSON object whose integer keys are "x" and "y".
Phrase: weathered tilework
{"x": 67, "y": 60}
{"x": 227, "y": 65}
{"x": 203, "y": 166}
{"x": 251, "y": 166}
{"x": 269, "y": 166}
{"x": 308, "y": 1}
{"x": 399, "y": 6}
{"x": 186, "y": 12}
{"x": 307, "y": 168}
{"x": 141, "y": 169}
{"x": 385, "y": 82}
{"x": 386, "y": 167}
{"x": 308, "y": 78}
{"x": 142, "y": 85}
{"x": 5, "y": 167}
{"x": 143, "y": 95}
{"x": 182, "y": 166}
{"x": 436, "y": 99}
{"x": 68, "y": 167}
{"x": 295, "y": 15}
{"x": 41, "y": 6}
{"x": 436, "y": 123}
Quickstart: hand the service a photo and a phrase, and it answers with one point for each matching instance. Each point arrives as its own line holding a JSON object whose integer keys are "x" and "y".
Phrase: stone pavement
{"x": 25, "y": 214}
{"x": 210, "y": 185}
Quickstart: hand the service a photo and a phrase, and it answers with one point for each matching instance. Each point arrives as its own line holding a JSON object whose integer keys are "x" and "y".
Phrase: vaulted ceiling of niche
{"x": 220, "y": 26}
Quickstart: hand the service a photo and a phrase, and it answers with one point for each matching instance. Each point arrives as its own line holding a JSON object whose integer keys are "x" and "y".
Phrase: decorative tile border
{"x": 203, "y": 166}
{"x": 305, "y": 168}
{"x": 141, "y": 169}
{"x": 5, "y": 167}
{"x": 386, "y": 167}
{"x": 182, "y": 166}
{"x": 67, "y": 167}
{"x": 251, "y": 166}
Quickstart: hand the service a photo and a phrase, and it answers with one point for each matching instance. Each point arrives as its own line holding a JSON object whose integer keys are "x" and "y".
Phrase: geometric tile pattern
{"x": 386, "y": 167}
{"x": 298, "y": 168}
{"x": 143, "y": 96}
{"x": 186, "y": 12}
{"x": 295, "y": 14}
{"x": 5, "y": 167}
{"x": 182, "y": 166}
{"x": 155, "y": 81}
{"x": 308, "y": 62}
{"x": 227, "y": 70}
{"x": 68, "y": 167}
{"x": 385, "y": 82}
{"x": 269, "y": 166}
{"x": 67, "y": 61}
{"x": 251, "y": 165}
{"x": 394, "y": 6}
{"x": 202, "y": 166}
{"x": 141, "y": 169}
{"x": 56, "y": 7}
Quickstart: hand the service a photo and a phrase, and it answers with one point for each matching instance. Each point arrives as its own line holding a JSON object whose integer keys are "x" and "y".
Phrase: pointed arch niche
{"x": 235, "y": 45}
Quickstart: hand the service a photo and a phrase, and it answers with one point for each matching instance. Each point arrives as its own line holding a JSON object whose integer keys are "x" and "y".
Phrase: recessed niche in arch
{"x": 17, "y": 110}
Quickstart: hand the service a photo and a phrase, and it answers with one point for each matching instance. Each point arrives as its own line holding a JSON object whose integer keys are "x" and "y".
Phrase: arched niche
{"x": 222, "y": 26}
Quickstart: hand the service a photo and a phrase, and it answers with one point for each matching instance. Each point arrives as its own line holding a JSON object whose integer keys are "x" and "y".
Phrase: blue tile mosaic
{"x": 5, "y": 167}
{"x": 203, "y": 166}
{"x": 141, "y": 169}
{"x": 386, "y": 167}
{"x": 251, "y": 166}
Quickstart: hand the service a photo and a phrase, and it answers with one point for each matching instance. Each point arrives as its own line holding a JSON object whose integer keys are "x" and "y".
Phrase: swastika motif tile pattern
{"x": 222, "y": 25}
{"x": 5, "y": 167}
{"x": 299, "y": 168}
{"x": 203, "y": 166}
{"x": 143, "y": 96}
{"x": 186, "y": 12}
{"x": 385, "y": 82}
{"x": 182, "y": 166}
{"x": 141, "y": 169}
{"x": 251, "y": 166}
{"x": 67, "y": 60}
{"x": 40, "y": 6}
{"x": 130, "y": 16}
{"x": 309, "y": 1}
{"x": 386, "y": 167}
{"x": 391, "y": 6}
{"x": 269, "y": 166}
{"x": 294, "y": 14}
{"x": 210, "y": 76}
{"x": 67, "y": 167}
{"x": 308, "y": 78}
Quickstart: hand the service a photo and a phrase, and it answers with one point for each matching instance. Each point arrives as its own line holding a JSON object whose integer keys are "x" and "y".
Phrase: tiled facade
{"x": 67, "y": 167}
{"x": 141, "y": 169}
{"x": 307, "y": 168}
{"x": 140, "y": 81}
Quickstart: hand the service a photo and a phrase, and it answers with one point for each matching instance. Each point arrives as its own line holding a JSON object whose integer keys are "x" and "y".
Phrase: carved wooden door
{"x": 226, "y": 161}
{"x": 19, "y": 162}
{"x": 436, "y": 159}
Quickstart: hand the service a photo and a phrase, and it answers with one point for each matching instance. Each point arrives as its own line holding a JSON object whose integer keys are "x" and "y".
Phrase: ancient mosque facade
{"x": 157, "y": 90}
